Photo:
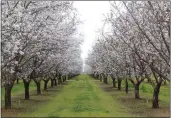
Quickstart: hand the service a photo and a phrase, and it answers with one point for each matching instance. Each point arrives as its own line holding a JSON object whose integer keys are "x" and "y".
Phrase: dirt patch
{"x": 9, "y": 112}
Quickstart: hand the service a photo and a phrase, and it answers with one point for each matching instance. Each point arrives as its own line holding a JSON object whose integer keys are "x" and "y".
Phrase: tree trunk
{"x": 38, "y": 88}
{"x": 137, "y": 96}
{"x": 126, "y": 85}
{"x": 114, "y": 83}
{"x": 69, "y": 77}
{"x": 26, "y": 87}
{"x": 55, "y": 83}
{"x": 119, "y": 83}
{"x": 97, "y": 76}
{"x": 155, "y": 96}
{"x": 17, "y": 81}
{"x": 45, "y": 84}
{"x": 165, "y": 82}
{"x": 8, "y": 96}
{"x": 100, "y": 77}
{"x": 60, "y": 80}
{"x": 148, "y": 80}
{"x": 63, "y": 79}
{"x": 105, "y": 79}
{"x": 51, "y": 82}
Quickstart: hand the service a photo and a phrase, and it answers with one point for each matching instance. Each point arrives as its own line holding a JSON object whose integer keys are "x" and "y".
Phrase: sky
{"x": 91, "y": 13}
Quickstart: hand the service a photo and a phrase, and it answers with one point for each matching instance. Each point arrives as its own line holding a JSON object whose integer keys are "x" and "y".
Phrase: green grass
{"x": 81, "y": 97}
{"x": 85, "y": 96}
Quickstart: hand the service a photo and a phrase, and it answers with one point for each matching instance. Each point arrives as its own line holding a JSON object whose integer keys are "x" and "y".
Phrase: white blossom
{"x": 21, "y": 52}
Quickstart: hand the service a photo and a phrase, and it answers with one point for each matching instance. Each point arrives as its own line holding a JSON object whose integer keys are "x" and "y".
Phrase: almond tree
{"x": 137, "y": 45}
{"x": 30, "y": 33}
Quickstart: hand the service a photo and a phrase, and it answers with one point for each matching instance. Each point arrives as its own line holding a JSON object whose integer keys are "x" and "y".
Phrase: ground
{"x": 85, "y": 96}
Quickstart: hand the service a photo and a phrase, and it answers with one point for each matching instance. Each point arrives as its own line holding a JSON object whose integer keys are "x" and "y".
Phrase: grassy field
{"x": 85, "y": 96}
{"x": 81, "y": 97}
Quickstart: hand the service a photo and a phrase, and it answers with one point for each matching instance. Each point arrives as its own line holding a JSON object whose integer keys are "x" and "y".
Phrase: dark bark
{"x": 45, "y": 84}
{"x": 101, "y": 77}
{"x": 155, "y": 96}
{"x": 51, "y": 82}
{"x": 8, "y": 88}
{"x": 136, "y": 87}
{"x": 137, "y": 96}
{"x": 26, "y": 87}
{"x": 55, "y": 82}
{"x": 94, "y": 75}
{"x": 60, "y": 79}
{"x": 38, "y": 88}
{"x": 126, "y": 86}
{"x": 165, "y": 82}
{"x": 17, "y": 81}
{"x": 114, "y": 82}
{"x": 8, "y": 96}
{"x": 148, "y": 80}
{"x": 69, "y": 77}
{"x": 105, "y": 79}
{"x": 63, "y": 78}
{"x": 97, "y": 76}
{"x": 119, "y": 83}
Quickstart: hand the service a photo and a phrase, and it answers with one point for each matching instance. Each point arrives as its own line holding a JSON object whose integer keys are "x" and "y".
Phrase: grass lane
{"x": 81, "y": 97}
{"x": 84, "y": 96}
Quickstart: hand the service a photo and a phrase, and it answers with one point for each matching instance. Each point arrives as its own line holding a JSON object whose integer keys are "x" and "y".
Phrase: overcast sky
{"x": 91, "y": 12}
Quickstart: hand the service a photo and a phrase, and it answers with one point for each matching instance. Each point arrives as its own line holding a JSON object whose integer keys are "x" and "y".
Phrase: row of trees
{"x": 136, "y": 47}
{"x": 39, "y": 42}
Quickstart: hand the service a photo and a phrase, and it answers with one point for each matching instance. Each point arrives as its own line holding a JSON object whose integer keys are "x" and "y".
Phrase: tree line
{"x": 135, "y": 47}
{"x": 39, "y": 42}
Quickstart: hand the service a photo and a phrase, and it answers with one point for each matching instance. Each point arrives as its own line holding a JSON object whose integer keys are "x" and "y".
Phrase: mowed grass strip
{"x": 81, "y": 97}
